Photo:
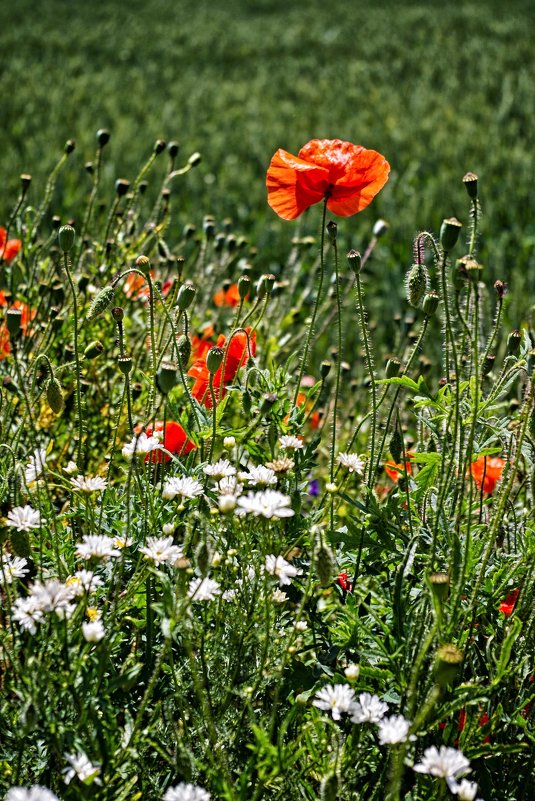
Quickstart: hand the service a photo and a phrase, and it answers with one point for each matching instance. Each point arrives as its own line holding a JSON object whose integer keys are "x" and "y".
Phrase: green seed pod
{"x": 393, "y": 367}
{"x": 173, "y": 149}
{"x": 93, "y": 350}
{"x": 355, "y": 261}
{"x": 184, "y": 349}
{"x": 167, "y": 377}
{"x": 125, "y": 364}
{"x": 448, "y": 661}
{"x": 416, "y": 282}
{"x": 54, "y": 395}
{"x": 214, "y": 357}
{"x": 208, "y": 226}
{"x": 70, "y": 144}
{"x": 430, "y": 303}
{"x": 396, "y": 446}
{"x": 66, "y": 237}
{"x": 449, "y": 233}
{"x": 470, "y": 184}
{"x": 143, "y": 264}
{"x": 440, "y": 586}
{"x": 20, "y": 543}
{"x": 488, "y": 363}
{"x": 513, "y": 341}
{"x": 473, "y": 270}
{"x": 194, "y": 159}
{"x": 329, "y": 788}
{"x": 25, "y": 180}
{"x": 13, "y": 321}
{"x": 203, "y": 557}
{"x": 122, "y": 186}
{"x": 244, "y": 286}
{"x": 103, "y": 137}
{"x": 324, "y": 564}
{"x": 159, "y": 147}
{"x": 103, "y": 300}
{"x": 325, "y": 368}
{"x": 265, "y": 284}
{"x": 185, "y": 296}
{"x": 380, "y": 228}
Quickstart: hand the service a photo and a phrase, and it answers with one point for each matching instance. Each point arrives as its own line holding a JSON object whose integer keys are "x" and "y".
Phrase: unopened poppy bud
{"x": 203, "y": 557}
{"x": 173, "y": 149}
{"x": 380, "y": 228}
{"x": 416, "y": 283}
{"x": 449, "y": 233}
{"x": 13, "y": 321}
{"x": 159, "y": 147}
{"x": 244, "y": 286}
{"x": 125, "y": 364}
{"x": 184, "y": 349}
{"x": 355, "y": 261}
{"x": 325, "y": 368}
{"x": 440, "y": 586}
{"x": 448, "y": 661}
{"x": 122, "y": 186}
{"x": 332, "y": 230}
{"x": 470, "y": 183}
{"x": 103, "y": 300}
{"x": 143, "y": 264}
{"x": 430, "y": 303}
{"x": 117, "y": 313}
{"x": 25, "y": 180}
{"x": 500, "y": 288}
{"x": 54, "y": 395}
{"x": 396, "y": 446}
{"x": 231, "y": 243}
{"x": 324, "y": 564}
{"x": 488, "y": 363}
{"x": 167, "y": 377}
{"x": 268, "y": 402}
{"x": 103, "y": 137}
{"x": 214, "y": 357}
{"x": 185, "y": 296}
{"x": 93, "y": 350}
{"x": 194, "y": 159}
{"x": 392, "y": 368}
{"x": 513, "y": 341}
{"x": 66, "y": 237}
{"x": 473, "y": 270}
{"x": 70, "y": 144}
{"x": 329, "y": 788}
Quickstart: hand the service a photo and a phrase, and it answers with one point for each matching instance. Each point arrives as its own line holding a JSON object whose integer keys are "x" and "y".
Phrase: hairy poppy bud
{"x": 448, "y": 660}
{"x": 93, "y": 350}
{"x": 500, "y": 288}
{"x": 325, "y": 368}
{"x": 332, "y": 230}
{"x": 488, "y": 363}
{"x": 194, "y": 159}
{"x": 473, "y": 270}
{"x": 203, "y": 557}
{"x": 244, "y": 286}
{"x": 103, "y": 300}
{"x": 70, "y": 144}
{"x": 167, "y": 377}
{"x": 513, "y": 341}
{"x": 122, "y": 186}
{"x": 265, "y": 285}
{"x": 324, "y": 564}
{"x": 440, "y": 586}
{"x": 185, "y": 296}
{"x": 173, "y": 148}
{"x": 416, "y": 283}
{"x": 470, "y": 183}
{"x": 54, "y": 395}
{"x": 380, "y": 228}
{"x": 103, "y": 137}
{"x": 13, "y": 321}
{"x": 66, "y": 237}
{"x": 25, "y": 180}
{"x": 159, "y": 147}
{"x": 355, "y": 261}
{"x": 430, "y": 303}
{"x": 117, "y": 313}
{"x": 449, "y": 233}
{"x": 392, "y": 368}
{"x": 214, "y": 357}
{"x": 125, "y": 364}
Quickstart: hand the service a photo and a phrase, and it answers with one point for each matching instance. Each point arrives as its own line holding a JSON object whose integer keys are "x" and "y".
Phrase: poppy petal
{"x": 294, "y": 184}
{"x": 361, "y": 183}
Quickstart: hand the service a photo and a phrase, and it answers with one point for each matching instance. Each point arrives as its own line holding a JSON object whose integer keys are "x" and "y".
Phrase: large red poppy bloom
{"x": 228, "y": 297}
{"x": 487, "y": 471}
{"x": 175, "y": 440}
{"x": 347, "y": 175}
{"x": 236, "y": 353}
{"x": 8, "y": 247}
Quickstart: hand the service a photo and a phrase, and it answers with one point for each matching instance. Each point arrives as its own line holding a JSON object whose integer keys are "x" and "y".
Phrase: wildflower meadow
{"x": 266, "y": 525}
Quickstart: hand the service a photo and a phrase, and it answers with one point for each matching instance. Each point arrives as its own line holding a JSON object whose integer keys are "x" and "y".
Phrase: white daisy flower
{"x": 13, "y": 567}
{"x": 368, "y": 709}
{"x": 279, "y": 567}
{"x": 205, "y": 589}
{"x": 393, "y": 730}
{"x": 83, "y": 581}
{"x": 465, "y": 790}
{"x": 23, "y": 518}
{"x": 278, "y": 596}
{"x": 27, "y": 613}
{"x": 186, "y": 792}
{"x": 229, "y": 486}
{"x": 97, "y": 546}
{"x": 445, "y": 763}
{"x": 71, "y": 468}
{"x": 301, "y": 625}
{"x": 89, "y": 484}
{"x": 162, "y": 551}
{"x": 336, "y": 699}
{"x": 262, "y": 476}
{"x": 227, "y": 503}
{"x": 352, "y": 462}
{"x": 35, "y": 466}
{"x": 35, "y": 793}
{"x": 53, "y": 596}
{"x": 291, "y": 443}
{"x": 185, "y": 486}
{"x": 141, "y": 445}
{"x": 81, "y": 767}
{"x": 122, "y": 541}
{"x": 93, "y": 631}
{"x": 352, "y": 672}
{"x": 220, "y": 469}
{"x": 269, "y": 503}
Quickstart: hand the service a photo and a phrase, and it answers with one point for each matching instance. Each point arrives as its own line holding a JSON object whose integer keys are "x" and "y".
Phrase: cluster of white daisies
{"x": 80, "y": 766}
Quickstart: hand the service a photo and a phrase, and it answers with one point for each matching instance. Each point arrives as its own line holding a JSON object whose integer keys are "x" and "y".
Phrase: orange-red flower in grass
{"x": 348, "y": 176}
{"x": 201, "y": 342}
{"x": 175, "y": 440}
{"x": 315, "y": 417}
{"x": 395, "y": 471}
{"x": 487, "y": 471}
{"x": 8, "y": 247}
{"x": 507, "y": 606}
{"x": 228, "y": 297}
{"x": 27, "y": 316}
{"x": 241, "y": 345}
{"x": 136, "y": 287}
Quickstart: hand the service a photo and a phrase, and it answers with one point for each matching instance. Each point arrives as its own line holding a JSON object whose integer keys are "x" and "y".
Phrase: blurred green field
{"x": 438, "y": 88}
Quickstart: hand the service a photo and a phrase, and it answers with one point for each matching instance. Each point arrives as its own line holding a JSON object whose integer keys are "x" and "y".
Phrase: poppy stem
{"x": 361, "y": 314}
{"x": 338, "y": 363}
{"x": 66, "y": 267}
{"x": 214, "y": 416}
{"x": 316, "y": 304}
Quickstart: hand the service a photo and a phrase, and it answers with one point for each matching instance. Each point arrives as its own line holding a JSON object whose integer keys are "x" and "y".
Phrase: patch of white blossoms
{"x": 368, "y": 709}
{"x": 268, "y": 504}
{"x": 393, "y": 730}
{"x": 161, "y": 550}
{"x": 140, "y": 445}
{"x": 35, "y": 466}
{"x": 89, "y": 484}
{"x": 81, "y": 767}
{"x": 203, "y": 589}
{"x": 23, "y": 518}
{"x": 291, "y": 443}
{"x": 35, "y": 793}
{"x": 444, "y": 763}
{"x": 97, "y": 546}
{"x": 186, "y": 792}
{"x": 220, "y": 469}
{"x": 259, "y": 476}
{"x": 186, "y": 487}
{"x": 12, "y": 567}
{"x": 336, "y": 699}
{"x": 279, "y": 567}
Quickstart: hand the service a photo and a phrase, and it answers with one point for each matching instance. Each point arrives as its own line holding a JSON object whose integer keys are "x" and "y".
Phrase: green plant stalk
{"x": 66, "y": 267}
{"x": 90, "y": 203}
{"x": 214, "y": 416}
{"x": 361, "y": 315}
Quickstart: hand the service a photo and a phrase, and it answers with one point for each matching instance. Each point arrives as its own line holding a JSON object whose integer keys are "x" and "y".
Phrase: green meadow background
{"x": 439, "y": 88}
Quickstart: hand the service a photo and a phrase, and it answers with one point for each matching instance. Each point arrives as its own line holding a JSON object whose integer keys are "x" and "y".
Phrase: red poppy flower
{"x": 136, "y": 287}
{"x": 508, "y": 604}
{"x": 343, "y": 581}
{"x": 202, "y": 342}
{"x": 395, "y": 471}
{"x": 236, "y": 353}
{"x": 175, "y": 440}
{"x": 8, "y": 247}
{"x": 228, "y": 297}
{"x": 347, "y": 175}
{"x": 487, "y": 471}
{"x": 27, "y": 316}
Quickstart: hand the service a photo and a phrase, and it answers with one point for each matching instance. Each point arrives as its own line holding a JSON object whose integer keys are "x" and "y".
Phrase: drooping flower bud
{"x": 13, "y": 321}
{"x": 103, "y": 300}
{"x": 203, "y": 557}
{"x": 380, "y": 228}
{"x": 416, "y": 282}
{"x": 185, "y": 296}
{"x": 70, "y": 144}
{"x": 332, "y": 230}
{"x": 396, "y": 446}
{"x": 325, "y": 368}
{"x": 122, "y": 186}
{"x": 103, "y": 137}
{"x": 184, "y": 349}
{"x": 125, "y": 364}
{"x": 66, "y": 237}
{"x": 449, "y": 233}
{"x": 392, "y": 368}
{"x": 430, "y": 303}
{"x": 143, "y": 264}
{"x": 25, "y": 180}
{"x": 513, "y": 341}
{"x": 488, "y": 363}
{"x": 194, "y": 159}
{"x": 173, "y": 149}
{"x": 324, "y": 564}
{"x": 93, "y": 350}
{"x": 159, "y": 147}
{"x": 440, "y": 586}
{"x": 244, "y": 286}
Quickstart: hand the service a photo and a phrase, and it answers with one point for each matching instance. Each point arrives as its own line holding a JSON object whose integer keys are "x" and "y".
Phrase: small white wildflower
{"x": 140, "y": 445}
{"x": 368, "y": 709}
{"x": 83, "y": 581}
{"x": 97, "y": 546}
{"x": 168, "y": 529}
{"x": 465, "y": 790}
{"x": 23, "y": 518}
{"x": 35, "y": 793}
{"x": 301, "y": 625}
{"x": 445, "y": 763}
{"x": 229, "y": 443}
{"x": 89, "y": 484}
{"x": 81, "y": 767}
{"x": 351, "y": 462}
{"x": 53, "y": 596}
{"x": 336, "y": 699}
{"x": 259, "y": 476}
{"x": 13, "y": 567}
{"x": 27, "y": 613}
{"x": 35, "y": 466}
{"x": 352, "y": 672}
{"x": 205, "y": 589}
{"x": 279, "y": 567}
{"x": 122, "y": 541}
{"x": 93, "y": 631}
{"x": 268, "y": 503}
{"x": 227, "y": 503}
{"x": 71, "y": 468}
{"x": 291, "y": 443}
{"x": 278, "y": 596}
{"x": 186, "y": 792}
{"x": 185, "y": 486}
{"x": 229, "y": 486}
{"x": 219, "y": 469}
{"x": 331, "y": 488}
{"x": 393, "y": 730}
{"x": 161, "y": 550}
